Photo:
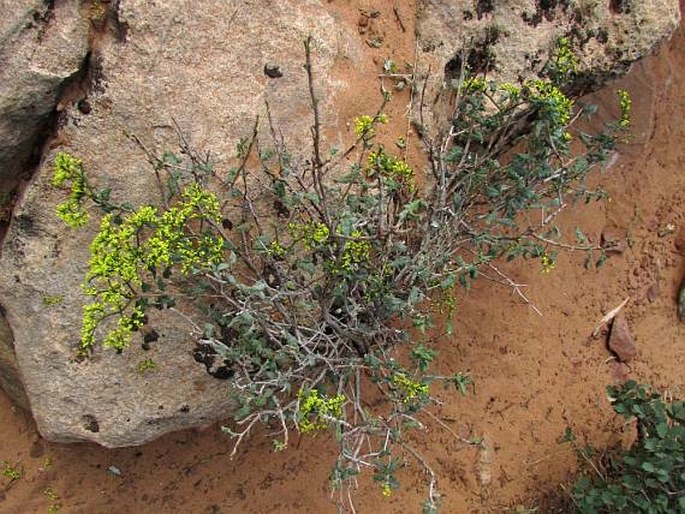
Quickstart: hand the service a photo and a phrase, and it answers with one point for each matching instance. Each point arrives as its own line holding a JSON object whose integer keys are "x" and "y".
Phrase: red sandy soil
{"x": 534, "y": 375}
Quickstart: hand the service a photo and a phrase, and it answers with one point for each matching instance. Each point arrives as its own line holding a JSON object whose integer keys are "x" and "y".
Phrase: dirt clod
{"x": 680, "y": 241}
{"x": 613, "y": 240}
{"x": 37, "y": 449}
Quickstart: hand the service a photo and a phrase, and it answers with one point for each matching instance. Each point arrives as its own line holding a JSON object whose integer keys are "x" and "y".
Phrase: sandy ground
{"x": 534, "y": 375}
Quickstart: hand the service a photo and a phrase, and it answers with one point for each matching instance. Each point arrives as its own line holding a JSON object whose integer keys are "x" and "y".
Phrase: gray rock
{"x": 10, "y": 376}
{"x": 41, "y": 49}
{"x": 203, "y": 69}
{"x": 514, "y": 38}
{"x": 621, "y": 341}
{"x": 681, "y": 302}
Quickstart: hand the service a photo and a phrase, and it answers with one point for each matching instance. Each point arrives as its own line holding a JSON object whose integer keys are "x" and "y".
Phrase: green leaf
{"x": 631, "y": 482}
{"x": 567, "y": 437}
{"x": 165, "y": 302}
{"x": 602, "y": 259}
{"x": 649, "y": 467}
{"x": 448, "y": 282}
{"x": 422, "y": 356}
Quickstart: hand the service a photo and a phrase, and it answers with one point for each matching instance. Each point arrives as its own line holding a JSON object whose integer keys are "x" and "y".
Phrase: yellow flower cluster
{"x": 144, "y": 241}
{"x": 66, "y": 168}
{"x": 626, "y": 107}
{"x": 548, "y": 263}
{"x": 356, "y": 251}
{"x": 313, "y": 234}
{"x": 565, "y": 61}
{"x": 512, "y": 90}
{"x": 69, "y": 169}
{"x": 364, "y": 125}
{"x": 551, "y": 99}
{"x": 411, "y": 388}
{"x": 475, "y": 84}
{"x": 316, "y": 412}
{"x": 389, "y": 166}
{"x": 275, "y": 249}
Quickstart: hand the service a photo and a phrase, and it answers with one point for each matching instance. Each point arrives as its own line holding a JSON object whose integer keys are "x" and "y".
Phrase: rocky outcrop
{"x": 42, "y": 47}
{"x": 201, "y": 70}
{"x": 511, "y": 40}
{"x": 10, "y": 376}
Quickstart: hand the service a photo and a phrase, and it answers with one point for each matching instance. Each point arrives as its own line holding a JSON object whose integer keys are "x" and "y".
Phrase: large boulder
{"x": 42, "y": 47}
{"x": 10, "y": 375}
{"x": 511, "y": 40}
{"x": 163, "y": 66}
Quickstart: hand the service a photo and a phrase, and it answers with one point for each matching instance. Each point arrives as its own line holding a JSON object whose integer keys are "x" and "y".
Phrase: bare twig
{"x": 317, "y": 162}
{"x": 582, "y": 248}
{"x": 609, "y": 316}
{"x": 398, "y": 19}
{"x": 515, "y": 286}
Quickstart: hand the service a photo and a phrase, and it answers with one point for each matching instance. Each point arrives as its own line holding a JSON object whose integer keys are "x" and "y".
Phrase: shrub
{"x": 292, "y": 271}
{"x": 649, "y": 477}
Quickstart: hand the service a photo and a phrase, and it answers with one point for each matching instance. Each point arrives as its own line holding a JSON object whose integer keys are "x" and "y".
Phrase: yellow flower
{"x": 275, "y": 249}
{"x": 548, "y": 264}
{"x": 411, "y": 388}
{"x": 317, "y": 411}
{"x": 363, "y": 125}
{"x": 626, "y": 107}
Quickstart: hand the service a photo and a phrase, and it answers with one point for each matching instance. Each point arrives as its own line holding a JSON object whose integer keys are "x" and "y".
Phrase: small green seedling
{"x": 11, "y": 471}
{"x": 146, "y": 365}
